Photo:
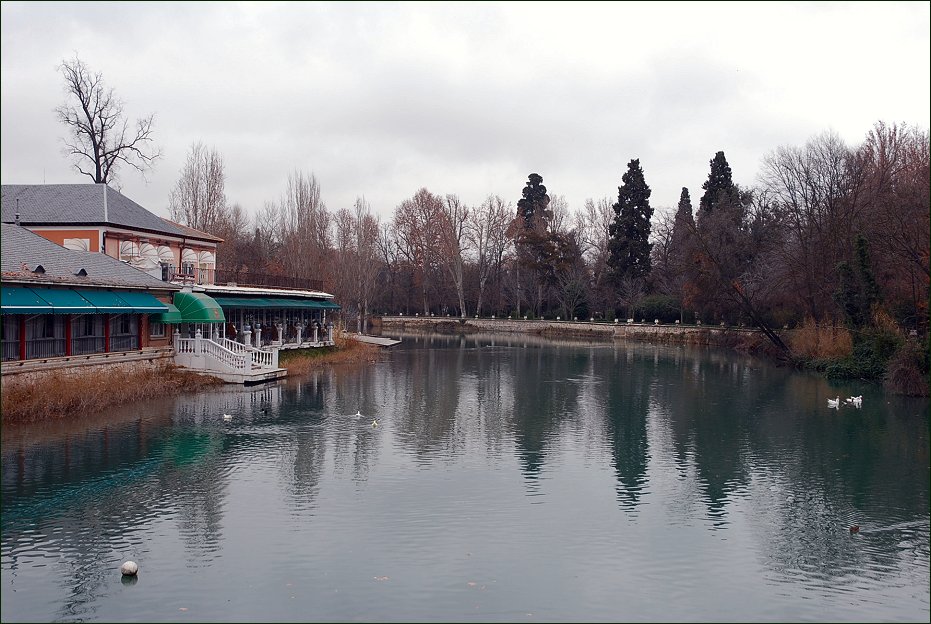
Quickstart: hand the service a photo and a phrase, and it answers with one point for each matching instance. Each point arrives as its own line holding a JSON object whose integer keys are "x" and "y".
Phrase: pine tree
{"x": 630, "y": 232}
{"x": 719, "y": 187}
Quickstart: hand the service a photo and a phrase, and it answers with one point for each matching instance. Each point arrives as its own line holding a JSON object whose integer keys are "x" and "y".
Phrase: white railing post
{"x": 247, "y": 336}
{"x": 329, "y": 331}
{"x": 316, "y": 331}
{"x": 258, "y": 336}
{"x": 274, "y": 358}
{"x": 176, "y": 339}
{"x": 300, "y": 330}
{"x": 198, "y": 348}
{"x": 280, "y": 328}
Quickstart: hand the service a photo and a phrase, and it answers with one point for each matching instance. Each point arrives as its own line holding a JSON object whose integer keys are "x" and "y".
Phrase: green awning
{"x": 197, "y": 307}
{"x": 21, "y": 300}
{"x": 290, "y": 304}
{"x": 240, "y": 302}
{"x": 173, "y": 315}
{"x": 328, "y": 305}
{"x": 106, "y": 301}
{"x": 66, "y": 301}
{"x": 143, "y": 302}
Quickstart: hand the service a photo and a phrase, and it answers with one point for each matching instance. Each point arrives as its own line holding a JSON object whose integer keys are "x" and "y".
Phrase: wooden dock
{"x": 381, "y": 341}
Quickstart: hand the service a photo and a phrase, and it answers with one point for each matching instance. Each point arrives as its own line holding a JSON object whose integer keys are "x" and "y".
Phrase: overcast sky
{"x": 382, "y": 99}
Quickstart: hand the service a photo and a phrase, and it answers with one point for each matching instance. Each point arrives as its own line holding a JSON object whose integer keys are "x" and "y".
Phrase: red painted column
{"x": 106, "y": 333}
{"x": 143, "y": 331}
{"x": 68, "y": 335}
{"x": 22, "y": 336}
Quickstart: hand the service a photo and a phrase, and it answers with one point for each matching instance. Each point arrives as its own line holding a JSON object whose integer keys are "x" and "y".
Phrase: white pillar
{"x": 300, "y": 330}
{"x": 198, "y": 348}
{"x": 247, "y": 336}
{"x": 258, "y": 337}
{"x": 329, "y": 329}
{"x": 177, "y": 338}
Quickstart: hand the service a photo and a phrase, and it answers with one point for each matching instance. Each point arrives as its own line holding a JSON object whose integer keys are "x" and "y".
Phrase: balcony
{"x": 248, "y": 278}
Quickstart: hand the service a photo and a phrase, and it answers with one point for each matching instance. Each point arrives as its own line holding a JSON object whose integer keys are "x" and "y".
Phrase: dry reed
{"x": 63, "y": 394}
{"x": 345, "y": 352}
{"x": 820, "y": 342}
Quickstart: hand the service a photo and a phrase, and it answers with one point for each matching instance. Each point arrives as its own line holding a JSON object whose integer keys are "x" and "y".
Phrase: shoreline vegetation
{"x": 63, "y": 395}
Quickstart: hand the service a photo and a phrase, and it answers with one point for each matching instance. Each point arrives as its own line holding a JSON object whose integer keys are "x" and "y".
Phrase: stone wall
{"x": 32, "y": 371}
{"x": 672, "y": 334}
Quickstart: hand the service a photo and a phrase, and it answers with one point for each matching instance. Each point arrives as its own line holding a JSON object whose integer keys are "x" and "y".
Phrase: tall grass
{"x": 71, "y": 394}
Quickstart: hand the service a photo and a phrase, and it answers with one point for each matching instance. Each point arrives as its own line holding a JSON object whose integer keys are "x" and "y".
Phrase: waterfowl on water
{"x": 834, "y": 402}
{"x": 227, "y": 417}
{"x": 855, "y": 528}
{"x": 374, "y": 422}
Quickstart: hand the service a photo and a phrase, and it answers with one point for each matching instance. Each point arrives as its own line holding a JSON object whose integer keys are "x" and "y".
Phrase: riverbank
{"x": 70, "y": 394}
{"x": 902, "y": 367}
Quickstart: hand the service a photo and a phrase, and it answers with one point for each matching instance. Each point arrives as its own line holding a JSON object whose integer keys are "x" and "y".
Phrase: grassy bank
{"x": 345, "y": 352}
{"x": 62, "y": 395}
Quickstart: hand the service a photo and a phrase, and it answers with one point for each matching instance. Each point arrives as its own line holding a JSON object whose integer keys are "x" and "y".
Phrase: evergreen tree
{"x": 719, "y": 187}
{"x": 629, "y": 244}
{"x": 682, "y": 227}
{"x": 533, "y": 205}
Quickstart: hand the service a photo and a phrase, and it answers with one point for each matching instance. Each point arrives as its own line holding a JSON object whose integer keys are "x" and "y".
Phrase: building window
{"x": 77, "y": 244}
{"x": 156, "y": 329}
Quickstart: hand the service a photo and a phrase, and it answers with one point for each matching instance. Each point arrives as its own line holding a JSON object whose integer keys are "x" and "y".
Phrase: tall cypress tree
{"x": 683, "y": 225}
{"x": 629, "y": 246}
{"x": 719, "y": 187}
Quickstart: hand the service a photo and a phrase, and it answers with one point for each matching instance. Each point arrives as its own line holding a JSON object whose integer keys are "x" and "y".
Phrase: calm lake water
{"x": 508, "y": 479}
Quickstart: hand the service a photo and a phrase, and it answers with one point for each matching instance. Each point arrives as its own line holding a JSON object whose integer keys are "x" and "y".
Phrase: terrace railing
{"x": 248, "y": 278}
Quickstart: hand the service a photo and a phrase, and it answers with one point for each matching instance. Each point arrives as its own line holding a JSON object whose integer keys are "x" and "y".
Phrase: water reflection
{"x": 692, "y": 448}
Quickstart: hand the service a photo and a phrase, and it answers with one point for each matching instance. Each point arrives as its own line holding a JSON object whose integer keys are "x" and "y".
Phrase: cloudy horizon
{"x": 381, "y": 99}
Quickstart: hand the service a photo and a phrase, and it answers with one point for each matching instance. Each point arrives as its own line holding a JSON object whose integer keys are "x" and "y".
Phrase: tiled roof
{"x": 70, "y": 204}
{"x": 22, "y": 250}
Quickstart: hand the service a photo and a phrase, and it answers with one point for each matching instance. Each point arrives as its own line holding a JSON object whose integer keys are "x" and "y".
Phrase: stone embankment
{"x": 648, "y": 332}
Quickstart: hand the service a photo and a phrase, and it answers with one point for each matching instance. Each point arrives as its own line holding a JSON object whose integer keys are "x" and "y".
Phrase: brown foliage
{"x": 75, "y": 393}
{"x": 813, "y": 341}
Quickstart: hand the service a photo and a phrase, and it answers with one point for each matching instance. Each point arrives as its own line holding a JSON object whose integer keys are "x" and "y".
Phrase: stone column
{"x": 258, "y": 337}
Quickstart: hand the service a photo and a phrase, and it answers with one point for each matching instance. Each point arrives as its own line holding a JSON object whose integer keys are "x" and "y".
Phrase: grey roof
{"x": 60, "y": 204}
{"x": 19, "y": 246}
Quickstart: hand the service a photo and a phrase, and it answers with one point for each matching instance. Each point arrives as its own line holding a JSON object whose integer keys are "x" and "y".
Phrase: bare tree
{"x": 592, "y": 225}
{"x": 453, "y": 241}
{"x": 559, "y": 220}
{"x": 818, "y": 187}
{"x": 199, "y": 197}
{"x": 416, "y": 226}
{"x": 487, "y": 233}
{"x": 304, "y": 230}
{"x": 100, "y": 138}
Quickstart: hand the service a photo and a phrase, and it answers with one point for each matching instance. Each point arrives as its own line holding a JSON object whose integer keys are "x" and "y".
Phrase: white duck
{"x": 227, "y": 417}
{"x": 857, "y": 401}
{"x": 835, "y": 403}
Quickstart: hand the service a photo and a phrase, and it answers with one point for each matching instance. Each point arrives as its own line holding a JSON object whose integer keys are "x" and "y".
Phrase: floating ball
{"x": 129, "y": 568}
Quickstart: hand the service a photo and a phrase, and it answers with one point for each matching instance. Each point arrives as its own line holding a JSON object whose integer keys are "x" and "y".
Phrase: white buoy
{"x": 129, "y": 568}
